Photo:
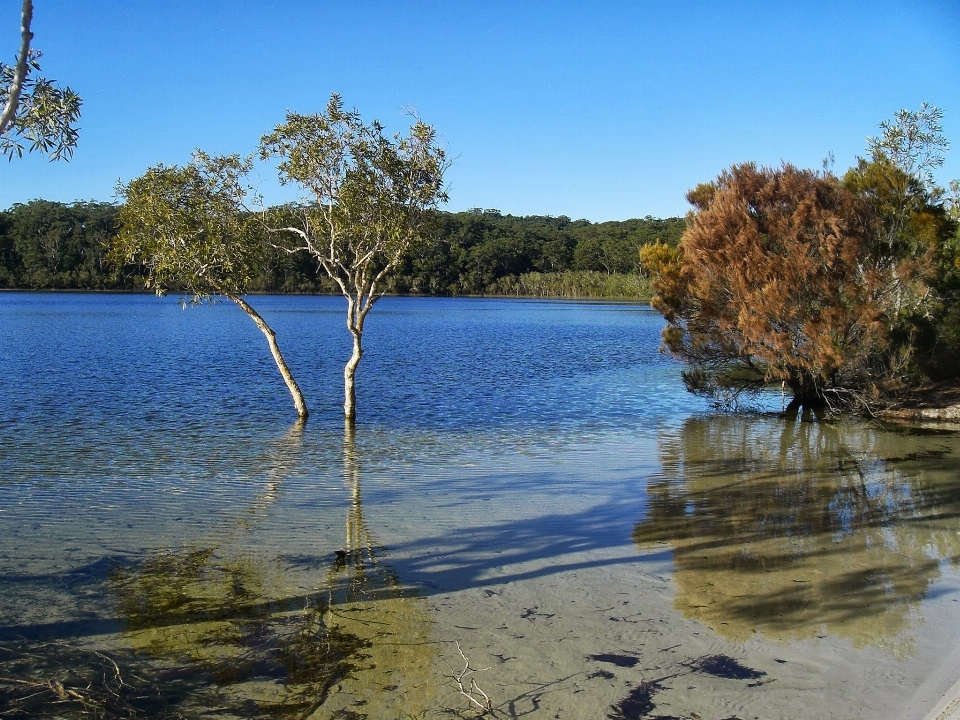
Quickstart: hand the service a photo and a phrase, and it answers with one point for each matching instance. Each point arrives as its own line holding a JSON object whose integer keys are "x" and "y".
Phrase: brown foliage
{"x": 774, "y": 279}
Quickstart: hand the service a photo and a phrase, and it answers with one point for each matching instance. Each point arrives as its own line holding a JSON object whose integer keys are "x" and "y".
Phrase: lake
{"x": 531, "y": 510}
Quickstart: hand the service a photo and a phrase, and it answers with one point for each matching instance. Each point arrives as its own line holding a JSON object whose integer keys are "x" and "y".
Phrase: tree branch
{"x": 21, "y": 71}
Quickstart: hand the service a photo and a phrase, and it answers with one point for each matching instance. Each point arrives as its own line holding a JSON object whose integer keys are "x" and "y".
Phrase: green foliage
{"x": 952, "y": 201}
{"x": 484, "y": 252}
{"x": 46, "y": 245}
{"x": 189, "y": 229}
{"x": 914, "y": 143}
{"x": 658, "y": 258}
{"x": 366, "y": 193}
{"x": 457, "y": 256}
{"x": 184, "y": 226}
{"x": 576, "y": 284}
{"x": 896, "y": 198}
{"x": 46, "y": 116}
{"x": 35, "y": 115}
{"x": 368, "y": 198}
{"x": 917, "y": 227}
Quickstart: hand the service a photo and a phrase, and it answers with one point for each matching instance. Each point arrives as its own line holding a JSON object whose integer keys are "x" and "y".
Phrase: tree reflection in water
{"x": 800, "y": 529}
{"x": 398, "y": 677}
{"x": 357, "y": 647}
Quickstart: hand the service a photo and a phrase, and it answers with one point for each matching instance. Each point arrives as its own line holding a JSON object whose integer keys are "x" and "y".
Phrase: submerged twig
{"x": 474, "y": 690}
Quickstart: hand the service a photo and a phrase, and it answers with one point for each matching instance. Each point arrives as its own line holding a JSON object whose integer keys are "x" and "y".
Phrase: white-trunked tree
{"x": 188, "y": 229}
{"x": 35, "y": 114}
{"x": 367, "y": 197}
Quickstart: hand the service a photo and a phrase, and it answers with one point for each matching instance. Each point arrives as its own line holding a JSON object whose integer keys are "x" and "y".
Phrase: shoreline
{"x": 946, "y": 703}
{"x": 619, "y": 299}
{"x": 936, "y": 403}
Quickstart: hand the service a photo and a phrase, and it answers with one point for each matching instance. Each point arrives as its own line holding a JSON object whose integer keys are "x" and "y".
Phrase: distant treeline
{"x": 50, "y": 245}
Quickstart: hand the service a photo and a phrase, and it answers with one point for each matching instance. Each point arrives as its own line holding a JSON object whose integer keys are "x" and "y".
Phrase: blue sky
{"x": 592, "y": 109}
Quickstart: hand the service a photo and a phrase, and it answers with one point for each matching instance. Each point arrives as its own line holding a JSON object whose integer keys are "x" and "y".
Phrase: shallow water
{"x": 526, "y": 479}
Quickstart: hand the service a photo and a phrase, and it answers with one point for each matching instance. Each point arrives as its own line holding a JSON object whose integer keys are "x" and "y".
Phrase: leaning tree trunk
{"x": 271, "y": 336}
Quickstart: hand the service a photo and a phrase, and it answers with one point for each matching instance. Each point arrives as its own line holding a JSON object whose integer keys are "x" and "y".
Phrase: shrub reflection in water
{"x": 796, "y": 529}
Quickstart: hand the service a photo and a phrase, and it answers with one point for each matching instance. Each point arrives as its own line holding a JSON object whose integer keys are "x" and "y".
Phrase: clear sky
{"x": 595, "y": 109}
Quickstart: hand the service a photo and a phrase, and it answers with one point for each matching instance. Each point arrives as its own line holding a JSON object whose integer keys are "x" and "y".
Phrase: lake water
{"x": 528, "y": 484}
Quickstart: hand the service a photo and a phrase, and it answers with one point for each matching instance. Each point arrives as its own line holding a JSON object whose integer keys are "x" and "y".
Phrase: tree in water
{"x": 185, "y": 227}
{"x": 36, "y": 115}
{"x": 768, "y": 285}
{"x": 796, "y": 277}
{"x": 368, "y": 198}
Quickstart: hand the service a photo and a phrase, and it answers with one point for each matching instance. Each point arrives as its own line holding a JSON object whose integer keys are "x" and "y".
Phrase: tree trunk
{"x": 349, "y": 374}
{"x": 271, "y": 336}
{"x": 806, "y": 397}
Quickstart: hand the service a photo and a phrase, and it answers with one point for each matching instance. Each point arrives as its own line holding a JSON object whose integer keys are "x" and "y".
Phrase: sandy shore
{"x": 938, "y": 403}
{"x": 947, "y": 707}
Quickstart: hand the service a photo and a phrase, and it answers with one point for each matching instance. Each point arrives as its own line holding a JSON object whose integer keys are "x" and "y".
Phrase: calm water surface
{"x": 526, "y": 479}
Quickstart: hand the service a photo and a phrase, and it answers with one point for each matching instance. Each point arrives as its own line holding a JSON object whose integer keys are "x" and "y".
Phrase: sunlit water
{"x": 529, "y": 480}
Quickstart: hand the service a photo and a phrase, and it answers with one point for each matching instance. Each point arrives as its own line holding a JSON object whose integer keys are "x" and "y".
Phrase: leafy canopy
{"x": 365, "y": 193}
{"x": 36, "y": 115}
{"x": 831, "y": 287}
{"x": 185, "y": 226}
{"x": 767, "y": 283}
{"x": 914, "y": 143}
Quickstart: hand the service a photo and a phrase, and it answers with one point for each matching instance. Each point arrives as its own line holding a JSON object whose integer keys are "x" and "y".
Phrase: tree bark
{"x": 806, "y": 398}
{"x": 349, "y": 375}
{"x": 271, "y": 336}
{"x": 20, "y": 70}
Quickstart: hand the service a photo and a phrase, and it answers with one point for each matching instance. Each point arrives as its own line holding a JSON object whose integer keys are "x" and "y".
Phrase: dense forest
{"x": 48, "y": 245}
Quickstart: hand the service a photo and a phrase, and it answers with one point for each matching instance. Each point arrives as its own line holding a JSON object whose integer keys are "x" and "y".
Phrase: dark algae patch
{"x": 638, "y": 704}
{"x": 624, "y": 661}
{"x": 723, "y": 666}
